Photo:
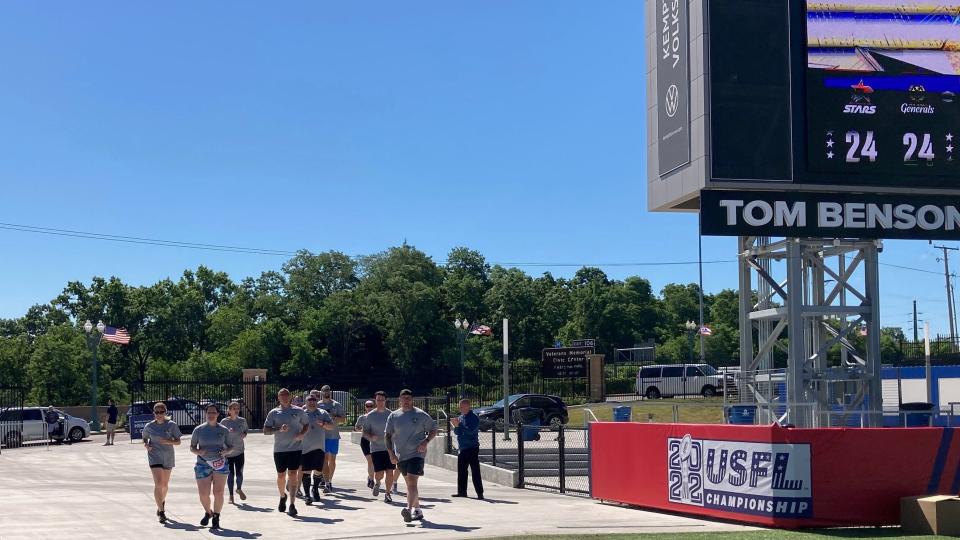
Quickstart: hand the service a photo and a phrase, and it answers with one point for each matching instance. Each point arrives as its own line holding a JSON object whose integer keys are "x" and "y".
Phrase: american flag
{"x": 706, "y": 331}
{"x": 481, "y": 330}
{"x": 116, "y": 335}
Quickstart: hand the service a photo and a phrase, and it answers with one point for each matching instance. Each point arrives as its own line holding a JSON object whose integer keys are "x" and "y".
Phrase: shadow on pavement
{"x": 497, "y": 501}
{"x": 308, "y": 519}
{"x": 334, "y": 504}
{"x": 248, "y": 508}
{"x": 446, "y": 527}
{"x": 230, "y": 533}
{"x": 429, "y": 499}
{"x": 170, "y": 524}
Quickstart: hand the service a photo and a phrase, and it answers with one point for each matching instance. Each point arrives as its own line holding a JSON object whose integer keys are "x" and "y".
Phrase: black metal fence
{"x": 12, "y": 399}
{"x": 186, "y": 400}
{"x": 485, "y": 385}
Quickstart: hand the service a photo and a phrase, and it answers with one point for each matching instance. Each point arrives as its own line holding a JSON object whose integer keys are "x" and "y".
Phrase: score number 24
{"x": 869, "y": 148}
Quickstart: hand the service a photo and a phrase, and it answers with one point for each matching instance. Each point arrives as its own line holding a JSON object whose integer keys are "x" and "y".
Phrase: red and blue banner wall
{"x": 769, "y": 475}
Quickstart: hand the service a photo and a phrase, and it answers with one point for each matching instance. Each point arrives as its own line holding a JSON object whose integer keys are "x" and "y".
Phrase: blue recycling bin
{"x": 622, "y": 413}
{"x": 531, "y": 431}
{"x": 742, "y": 414}
{"x": 917, "y": 414}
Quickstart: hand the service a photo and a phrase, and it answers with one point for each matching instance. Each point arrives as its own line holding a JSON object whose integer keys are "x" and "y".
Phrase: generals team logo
{"x": 762, "y": 479}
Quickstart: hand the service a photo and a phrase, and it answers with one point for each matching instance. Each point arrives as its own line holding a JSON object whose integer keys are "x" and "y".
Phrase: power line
{"x": 69, "y": 233}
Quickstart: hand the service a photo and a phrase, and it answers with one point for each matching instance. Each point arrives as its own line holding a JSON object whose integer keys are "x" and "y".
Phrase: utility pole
{"x": 946, "y": 275}
{"x": 915, "y": 336}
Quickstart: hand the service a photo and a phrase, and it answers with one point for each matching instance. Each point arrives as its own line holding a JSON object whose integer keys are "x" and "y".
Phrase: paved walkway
{"x": 92, "y": 491}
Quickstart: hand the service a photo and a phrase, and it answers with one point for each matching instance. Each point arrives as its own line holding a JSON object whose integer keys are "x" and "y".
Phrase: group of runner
{"x": 305, "y": 447}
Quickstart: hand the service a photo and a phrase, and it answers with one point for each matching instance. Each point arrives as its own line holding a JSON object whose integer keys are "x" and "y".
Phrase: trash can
{"x": 742, "y": 414}
{"x": 530, "y": 418}
{"x": 918, "y": 414}
{"x": 622, "y": 413}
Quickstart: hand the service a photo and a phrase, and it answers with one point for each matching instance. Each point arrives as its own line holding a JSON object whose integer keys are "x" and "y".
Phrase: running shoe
{"x": 369, "y": 483}
{"x": 376, "y": 489}
{"x": 406, "y": 515}
{"x": 282, "y": 507}
{"x": 308, "y": 499}
{"x": 327, "y": 488}
{"x": 205, "y": 520}
{"x": 293, "y": 511}
{"x": 387, "y": 498}
{"x": 216, "y": 522}
{"x": 459, "y": 495}
{"x": 231, "y": 500}
{"x": 417, "y": 514}
{"x": 162, "y": 516}
{"x": 315, "y": 493}
{"x": 243, "y": 496}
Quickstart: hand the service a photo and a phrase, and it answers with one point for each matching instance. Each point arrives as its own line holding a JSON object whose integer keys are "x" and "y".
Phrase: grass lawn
{"x": 771, "y": 534}
{"x": 699, "y": 411}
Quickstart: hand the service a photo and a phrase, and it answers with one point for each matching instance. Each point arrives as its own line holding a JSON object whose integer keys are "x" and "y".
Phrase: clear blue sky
{"x": 514, "y": 128}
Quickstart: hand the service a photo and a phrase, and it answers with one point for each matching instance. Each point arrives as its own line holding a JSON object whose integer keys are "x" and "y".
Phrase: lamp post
{"x": 691, "y": 330}
{"x": 93, "y": 342}
{"x": 463, "y": 329}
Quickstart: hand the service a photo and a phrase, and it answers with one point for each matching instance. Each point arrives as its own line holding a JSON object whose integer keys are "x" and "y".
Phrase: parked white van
{"x": 659, "y": 381}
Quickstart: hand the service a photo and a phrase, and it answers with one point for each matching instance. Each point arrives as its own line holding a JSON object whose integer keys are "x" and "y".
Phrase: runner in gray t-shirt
{"x": 160, "y": 435}
{"x": 374, "y": 428}
{"x": 409, "y": 430}
{"x": 288, "y": 425}
{"x": 332, "y": 443}
{"x": 312, "y": 458}
{"x": 209, "y": 442}
{"x": 235, "y": 461}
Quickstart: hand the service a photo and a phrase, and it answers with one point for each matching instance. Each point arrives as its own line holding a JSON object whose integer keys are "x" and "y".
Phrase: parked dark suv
{"x": 552, "y": 410}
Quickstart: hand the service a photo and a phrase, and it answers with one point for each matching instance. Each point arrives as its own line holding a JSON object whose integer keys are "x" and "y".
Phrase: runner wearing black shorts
{"x": 312, "y": 457}
{"x": 408, "y": 432}
{"x": 288, "y": 424}
{"x": 365, "y": 443}
{"x": 374, "y": 426}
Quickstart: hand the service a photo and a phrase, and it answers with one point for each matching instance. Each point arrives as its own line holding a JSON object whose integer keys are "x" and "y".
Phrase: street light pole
{"x": 93, "y": 342}
{"x": 691, "y": 328}
{"x": 463, "y": 328}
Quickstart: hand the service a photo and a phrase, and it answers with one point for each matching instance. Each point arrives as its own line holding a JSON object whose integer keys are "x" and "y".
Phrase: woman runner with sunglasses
{"x": 211, "y": 445}
{"x": 160, "y": 435}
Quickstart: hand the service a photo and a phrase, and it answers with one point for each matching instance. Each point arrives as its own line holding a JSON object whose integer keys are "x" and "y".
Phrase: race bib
{"x": 217, "y": 463}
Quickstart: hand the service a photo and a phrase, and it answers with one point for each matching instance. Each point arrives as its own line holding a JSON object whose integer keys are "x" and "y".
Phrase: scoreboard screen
{"x": 883, "y": 90}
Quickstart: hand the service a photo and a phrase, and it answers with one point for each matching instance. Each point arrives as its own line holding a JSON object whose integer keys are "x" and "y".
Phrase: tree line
{"x": 329, "y": 315}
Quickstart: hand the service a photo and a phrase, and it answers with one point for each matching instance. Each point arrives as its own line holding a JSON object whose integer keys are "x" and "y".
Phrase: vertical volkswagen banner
{"x": 673, "y": 84}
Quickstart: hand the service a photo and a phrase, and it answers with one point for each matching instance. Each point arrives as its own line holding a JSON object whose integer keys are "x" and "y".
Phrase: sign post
{"x": 506, "y": 381}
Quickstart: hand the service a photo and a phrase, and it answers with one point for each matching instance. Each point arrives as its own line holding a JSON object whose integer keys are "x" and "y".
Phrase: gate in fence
{"x": 556, "y": 459}
{"x": 12, "y": 400}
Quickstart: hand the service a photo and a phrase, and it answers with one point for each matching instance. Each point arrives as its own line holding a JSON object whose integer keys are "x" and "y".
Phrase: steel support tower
{"x": 817, "y": 293}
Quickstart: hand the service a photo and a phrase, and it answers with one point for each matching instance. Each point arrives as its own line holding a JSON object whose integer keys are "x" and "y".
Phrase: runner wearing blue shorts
{"x": 332, "y": 444}
{"x": 210, "y": 442}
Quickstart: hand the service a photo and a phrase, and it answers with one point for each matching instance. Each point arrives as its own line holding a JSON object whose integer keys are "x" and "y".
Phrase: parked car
{"x": 187, "y": 413}
{"x": 552, "y": 410}
{"x": 659, "y": 381}
{"x": 18, "y": 426}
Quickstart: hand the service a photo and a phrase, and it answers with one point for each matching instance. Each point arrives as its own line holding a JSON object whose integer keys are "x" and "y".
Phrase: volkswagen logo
{"x": 672, "y": 101}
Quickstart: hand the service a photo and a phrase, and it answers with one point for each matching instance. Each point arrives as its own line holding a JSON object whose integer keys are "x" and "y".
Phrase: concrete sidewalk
{"x": 88, "y": 490}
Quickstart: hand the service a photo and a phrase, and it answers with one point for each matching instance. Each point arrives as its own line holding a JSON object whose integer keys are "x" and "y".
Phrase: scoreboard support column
{"x": 812, "y": 393}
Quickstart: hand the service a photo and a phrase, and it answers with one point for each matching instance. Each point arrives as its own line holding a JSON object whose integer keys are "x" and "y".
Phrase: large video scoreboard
{"x": 809, "y": 98}
{"x": 882, "y": 83}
